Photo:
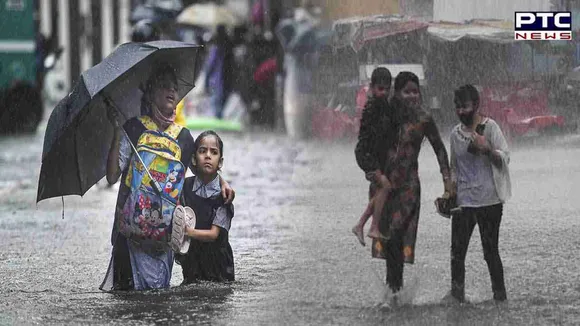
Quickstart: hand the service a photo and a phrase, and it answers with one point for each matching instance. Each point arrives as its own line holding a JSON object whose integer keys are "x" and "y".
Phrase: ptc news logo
{"x": 543, "y": 25}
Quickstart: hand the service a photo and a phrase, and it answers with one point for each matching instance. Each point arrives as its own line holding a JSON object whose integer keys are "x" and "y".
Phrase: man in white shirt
{"x": 479, "y": 169}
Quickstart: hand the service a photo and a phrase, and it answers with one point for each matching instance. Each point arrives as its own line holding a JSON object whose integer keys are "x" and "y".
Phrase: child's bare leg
{"x": 358, "y": 228}
{"x": 378, "y": 205}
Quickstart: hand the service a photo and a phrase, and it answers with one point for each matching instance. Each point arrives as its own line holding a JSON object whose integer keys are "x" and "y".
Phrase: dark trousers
{"x": 488, "y": 219}
{"x": 395, "y": 261}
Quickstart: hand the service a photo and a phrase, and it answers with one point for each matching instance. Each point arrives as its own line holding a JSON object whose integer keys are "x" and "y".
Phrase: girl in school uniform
{"x": 210, "y": 256}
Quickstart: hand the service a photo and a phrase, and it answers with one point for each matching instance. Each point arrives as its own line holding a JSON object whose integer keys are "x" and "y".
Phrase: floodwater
{"x": 296, "y": 260}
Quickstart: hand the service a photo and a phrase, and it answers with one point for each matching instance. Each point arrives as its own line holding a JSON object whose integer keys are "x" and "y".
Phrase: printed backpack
{"x": 147, "y": 214}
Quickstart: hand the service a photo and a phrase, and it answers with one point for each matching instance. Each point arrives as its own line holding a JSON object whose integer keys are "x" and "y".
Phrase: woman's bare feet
{"x": 358, "y": 231}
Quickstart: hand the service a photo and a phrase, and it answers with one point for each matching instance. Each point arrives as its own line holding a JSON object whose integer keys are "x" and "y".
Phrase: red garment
{"x": 266, "y": 71}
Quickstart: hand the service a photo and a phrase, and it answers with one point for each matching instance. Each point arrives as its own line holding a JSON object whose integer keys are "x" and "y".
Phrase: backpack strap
{"x": 148, "y": 122}
{"x": 173, "y": 130}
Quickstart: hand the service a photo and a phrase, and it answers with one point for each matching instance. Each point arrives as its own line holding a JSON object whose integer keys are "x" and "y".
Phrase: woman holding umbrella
{"x": 134, "y": 267}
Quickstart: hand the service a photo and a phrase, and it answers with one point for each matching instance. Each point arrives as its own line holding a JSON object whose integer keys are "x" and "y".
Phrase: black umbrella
{"x": 78, "y": 134}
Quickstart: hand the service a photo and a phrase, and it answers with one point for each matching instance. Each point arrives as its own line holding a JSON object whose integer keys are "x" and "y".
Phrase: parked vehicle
{"x": 25, "y": 58}
{"x": 514, "y": 78}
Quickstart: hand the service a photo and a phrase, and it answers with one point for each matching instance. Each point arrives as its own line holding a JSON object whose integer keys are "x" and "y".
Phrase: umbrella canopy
{"x": 208, "y": 15}
{"x": 78, "y": 134}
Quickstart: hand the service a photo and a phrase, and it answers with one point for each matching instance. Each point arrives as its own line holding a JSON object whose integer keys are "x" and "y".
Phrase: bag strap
{"x": 173, "y": 130}
{"x": 148, "y": 122}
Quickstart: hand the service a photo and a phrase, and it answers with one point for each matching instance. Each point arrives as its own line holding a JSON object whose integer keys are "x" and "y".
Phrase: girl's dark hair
{"x": 205, "y": 134}
{"x": 467, "y": 93}
{"x": 197, "y": 142}
{"x": 403, "y": 78}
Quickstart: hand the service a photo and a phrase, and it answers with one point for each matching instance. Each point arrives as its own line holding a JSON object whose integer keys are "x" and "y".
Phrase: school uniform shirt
{"x": 212, "y": 189}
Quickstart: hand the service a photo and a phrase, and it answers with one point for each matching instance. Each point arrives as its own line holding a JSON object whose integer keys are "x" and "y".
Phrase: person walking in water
{"x": 210, "y": 256}
{"x": 137, "y": 264}
{"x": 479, "y": 169}
{"x": 399, "y": 220}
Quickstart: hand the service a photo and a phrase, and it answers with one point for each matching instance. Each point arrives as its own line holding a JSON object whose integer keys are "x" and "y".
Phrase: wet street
{"x": 296, "y": 260}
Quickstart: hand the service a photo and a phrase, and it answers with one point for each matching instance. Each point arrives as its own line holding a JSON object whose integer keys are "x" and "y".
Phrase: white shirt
{"x": 479, "y": 182}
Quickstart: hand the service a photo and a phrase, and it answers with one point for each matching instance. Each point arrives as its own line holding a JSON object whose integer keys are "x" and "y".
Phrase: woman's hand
{"x": 373, "y": 175}
{"x": 227, "y": 192}
{"x": 113, "y": 170}
{"x": 113, "y": 116}
{"x": 384, "y": 182}
{"x": 378, "y": 178}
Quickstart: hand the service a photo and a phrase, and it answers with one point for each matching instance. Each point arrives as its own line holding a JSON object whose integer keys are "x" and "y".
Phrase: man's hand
{"x": 450, "y": 189}
{"x": 481, "y": 143}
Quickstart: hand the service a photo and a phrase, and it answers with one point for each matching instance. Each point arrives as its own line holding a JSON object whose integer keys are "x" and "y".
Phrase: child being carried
{"x": 374, "y": 209}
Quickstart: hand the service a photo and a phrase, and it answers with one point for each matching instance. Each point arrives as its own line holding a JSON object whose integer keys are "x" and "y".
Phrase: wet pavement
{"x": 296, "y": 260}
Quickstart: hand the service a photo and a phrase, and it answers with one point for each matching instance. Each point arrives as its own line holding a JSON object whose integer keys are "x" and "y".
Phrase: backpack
{"x": 147, "y": 214}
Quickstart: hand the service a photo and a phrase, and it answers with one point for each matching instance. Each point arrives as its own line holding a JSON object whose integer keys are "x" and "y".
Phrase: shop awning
{"x": 356, "y": 31}
{"x": 496, "y": 31}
